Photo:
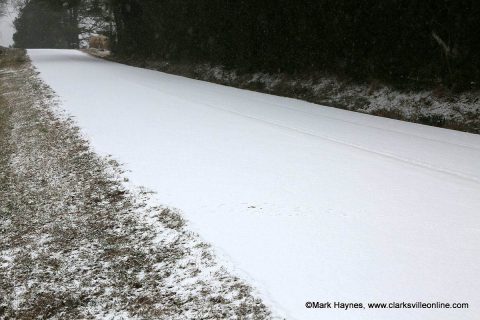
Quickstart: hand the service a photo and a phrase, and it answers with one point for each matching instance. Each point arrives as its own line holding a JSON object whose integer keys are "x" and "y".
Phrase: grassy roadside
{"x": 76, "y": 243}
{"x": 435, "y": 106}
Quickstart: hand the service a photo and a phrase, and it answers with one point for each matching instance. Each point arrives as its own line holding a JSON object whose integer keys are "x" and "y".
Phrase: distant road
{"x": 306, "y": 202}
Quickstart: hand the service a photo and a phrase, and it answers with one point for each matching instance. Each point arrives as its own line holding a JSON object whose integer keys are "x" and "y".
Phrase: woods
{"x": 395, "y": 40}
{"x": 58, "y": 23}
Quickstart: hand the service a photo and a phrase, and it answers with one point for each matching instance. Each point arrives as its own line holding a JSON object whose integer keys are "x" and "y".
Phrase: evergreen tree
{"x": 59, "y": 23}
{"x": 39, "y": 25}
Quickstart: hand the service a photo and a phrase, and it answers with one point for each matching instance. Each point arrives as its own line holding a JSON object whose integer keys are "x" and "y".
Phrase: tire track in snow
{"x": 298, "y": 110}
{"x": 389, "y": 155}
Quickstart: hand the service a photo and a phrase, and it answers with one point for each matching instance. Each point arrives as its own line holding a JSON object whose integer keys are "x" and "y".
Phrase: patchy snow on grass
{"x": 78, "y": 241}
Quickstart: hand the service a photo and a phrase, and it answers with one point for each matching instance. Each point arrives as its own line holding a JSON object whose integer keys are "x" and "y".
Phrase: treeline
{"x": 395, "y": 40}
{"x": 59, "y": 23}
{"x": 428, "y": 40}
{"x": 47, "y": 24}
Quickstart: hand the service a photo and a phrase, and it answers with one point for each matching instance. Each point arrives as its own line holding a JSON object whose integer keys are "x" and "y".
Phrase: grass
{"x": 76, "y": 243}
{"x": 12, "y": 58}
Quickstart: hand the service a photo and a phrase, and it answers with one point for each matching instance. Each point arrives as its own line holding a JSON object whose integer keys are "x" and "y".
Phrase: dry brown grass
{"x": 12, "y": 58}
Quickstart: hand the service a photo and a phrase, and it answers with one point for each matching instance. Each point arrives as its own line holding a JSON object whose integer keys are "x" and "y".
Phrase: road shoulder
{"x": 77, "y": 242}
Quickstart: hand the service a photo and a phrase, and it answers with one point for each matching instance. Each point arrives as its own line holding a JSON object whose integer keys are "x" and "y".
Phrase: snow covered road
{"x": 308, "y": 203}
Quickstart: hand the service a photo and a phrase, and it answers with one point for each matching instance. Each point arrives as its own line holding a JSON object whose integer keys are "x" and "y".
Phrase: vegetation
{"x": 400, "y": 41}
{"x": 11, "y": 58}
{"x": 58, "y": 23}
{"x": 41, "y": 25}
{"x": 76, "y": 244}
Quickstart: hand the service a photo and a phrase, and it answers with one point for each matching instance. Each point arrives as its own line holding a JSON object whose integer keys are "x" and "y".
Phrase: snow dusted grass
{"x": 12, "y": 58}
{"x": 432, "y": 107}
{"x": 437, "y": 107}
{"x": 75, "y": 242}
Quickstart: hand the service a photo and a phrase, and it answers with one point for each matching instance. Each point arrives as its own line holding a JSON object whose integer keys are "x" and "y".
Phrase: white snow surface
{"x": 306, "y": 202}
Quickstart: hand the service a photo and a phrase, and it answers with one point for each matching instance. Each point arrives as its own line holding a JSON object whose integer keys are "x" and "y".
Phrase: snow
{"x": 308, "y": 203}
